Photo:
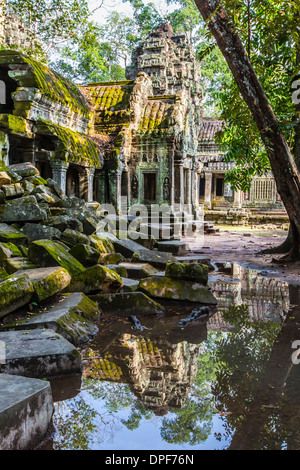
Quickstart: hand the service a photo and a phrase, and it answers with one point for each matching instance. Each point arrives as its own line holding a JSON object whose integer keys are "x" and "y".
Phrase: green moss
{"x": 72, "y": 146}
{"x": 53, "y": 85}
{"x": 15, "y": 125}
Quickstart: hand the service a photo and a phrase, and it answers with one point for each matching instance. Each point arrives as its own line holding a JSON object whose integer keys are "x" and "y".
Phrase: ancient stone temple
{"x": 143, "y": 140}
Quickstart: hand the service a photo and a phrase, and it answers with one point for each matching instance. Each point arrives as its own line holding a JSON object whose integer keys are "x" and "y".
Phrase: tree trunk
{"x": 282, "y": 163}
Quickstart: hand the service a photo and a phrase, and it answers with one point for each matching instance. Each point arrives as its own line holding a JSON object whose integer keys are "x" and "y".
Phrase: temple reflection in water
{"x": 160, "y": 362}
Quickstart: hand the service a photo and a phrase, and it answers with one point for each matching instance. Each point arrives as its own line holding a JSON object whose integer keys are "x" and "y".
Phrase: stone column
{"x": 90, "y": 172}
{"x": 115, "y": 189}
{"x": 59, "y": 173}
{"x": 237, "y": 198}
{"x": 178, "y": 185}
{"x": 208, "y": 188}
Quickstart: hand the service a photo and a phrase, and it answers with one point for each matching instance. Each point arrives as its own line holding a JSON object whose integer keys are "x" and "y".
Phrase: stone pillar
{"x": 59, "y": 173}
{"x": 90, "y": 183}
{"x": 178, "y": 185}
{"x": 29, "y": 152}
{"x": 208, "y": 189}
{"x": 237, "y": 198}
{"x": 115, "y": 189}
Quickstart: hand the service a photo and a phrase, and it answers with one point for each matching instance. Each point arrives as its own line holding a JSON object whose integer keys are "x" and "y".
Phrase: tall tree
{"x": 281, "y": 160}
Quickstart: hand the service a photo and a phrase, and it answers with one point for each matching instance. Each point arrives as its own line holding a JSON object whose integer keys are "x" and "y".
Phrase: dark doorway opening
{"x": 149, "y": 186}
{"x": 220, "y": 187}
{"x": 72, "y": 184}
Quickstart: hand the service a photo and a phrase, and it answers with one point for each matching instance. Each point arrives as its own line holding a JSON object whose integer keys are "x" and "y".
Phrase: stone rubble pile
{"x": 54, "y": 252}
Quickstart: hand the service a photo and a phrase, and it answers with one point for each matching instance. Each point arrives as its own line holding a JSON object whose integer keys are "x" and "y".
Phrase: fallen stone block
{"x": 111, "y": 258}
{"x": 9, "y": 250}
{"x": 85, "y": 254}
{"x": 15, "y": 292}
{"x": 62, "y": 222}
{"x": 195, "y": 259}
{"x": 13, "y": 190}
{"x": 22, "y": 213}
{"x": 40, "y": 232}
{"x": 26, "y": 409}
{"x": 13, "y": 265}
{"x": 25, "y": 169}
{"x": 104, "y": 245}
{"x": 46, "y": 281}
{"x": 73, "y": 237}
{"x": 139, "y": 270}
{"x": 96, "y": 278}
{"x": 158, "y": 259}
{"x": 175, "y": 247}
{"x": 128, "y": 247}
{"x": 118, "y": 268}
{"x": 9, "y": 234}
{"x": 38, "y": 353}
{"x": 188, "y": 271}
{"x": 72, "y": 318}
{"x": 47, "y": 253}
{"x": 177, "y": 289}
{"x": 128, "y": 304}
{"x": 129, "y": 285}
{"x": 4, "y": 179}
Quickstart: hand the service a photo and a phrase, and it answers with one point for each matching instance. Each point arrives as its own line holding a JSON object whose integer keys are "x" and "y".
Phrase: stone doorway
{"x": 72, "y": 182}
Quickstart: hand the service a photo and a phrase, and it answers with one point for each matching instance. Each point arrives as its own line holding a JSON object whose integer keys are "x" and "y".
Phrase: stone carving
{"x": 135, "y": 187}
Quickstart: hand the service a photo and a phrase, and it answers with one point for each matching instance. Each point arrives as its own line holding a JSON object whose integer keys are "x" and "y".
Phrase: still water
{"x": 230, "y": 381}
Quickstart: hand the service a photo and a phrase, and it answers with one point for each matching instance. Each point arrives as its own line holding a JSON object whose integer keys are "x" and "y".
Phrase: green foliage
{"x": 100, "y": 53}
{"x": 54, "y": 21}
{"x": 270, "y": 33}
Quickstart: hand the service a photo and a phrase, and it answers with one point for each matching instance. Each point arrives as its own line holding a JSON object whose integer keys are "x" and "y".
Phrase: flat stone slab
{"x": 195, "y": 259}
{"x": 177, "y": 289}
{"x": 128, "y": 247}
{"x": 175, "y": 247}
{"x": 26, "y": 409}
{"x": 139, "y": 270}
{"x": 72, "y": 318}
{"x": 134, "y": 303}
{"x": 158, "y": 259}
{"x": 38, "y": 354}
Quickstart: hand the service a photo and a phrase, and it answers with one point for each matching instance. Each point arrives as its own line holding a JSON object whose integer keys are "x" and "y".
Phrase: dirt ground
{"x": 244, "y": 245}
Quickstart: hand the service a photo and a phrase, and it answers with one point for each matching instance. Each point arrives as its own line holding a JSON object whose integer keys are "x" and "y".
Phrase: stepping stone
{"x": 26, "y": 409}
{"x": 134, "y": 303}
{"x": 39, "y": 354}
{"x": 158, "y": 259}
{"x": 46, "y": 281}
{"x": 72, "y": 318}
{"x": 138, "y": 270}
{"x": 175, "y": 247}
{"x": 177, "y": 289}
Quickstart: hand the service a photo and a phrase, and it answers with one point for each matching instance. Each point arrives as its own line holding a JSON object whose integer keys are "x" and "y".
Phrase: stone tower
{"x": 170, "y": 61}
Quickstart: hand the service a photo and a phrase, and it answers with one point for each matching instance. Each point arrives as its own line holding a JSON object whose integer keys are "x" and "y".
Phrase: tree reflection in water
{"x": 235, "y": 368}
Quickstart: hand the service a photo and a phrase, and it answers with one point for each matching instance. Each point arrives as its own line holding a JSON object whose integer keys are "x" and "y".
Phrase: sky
{"x": 122, "y": 7}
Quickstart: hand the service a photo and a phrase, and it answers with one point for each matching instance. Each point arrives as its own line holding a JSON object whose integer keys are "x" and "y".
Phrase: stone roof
{"x": 208, "y": 129}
